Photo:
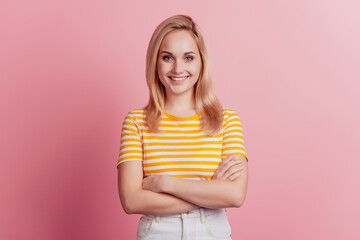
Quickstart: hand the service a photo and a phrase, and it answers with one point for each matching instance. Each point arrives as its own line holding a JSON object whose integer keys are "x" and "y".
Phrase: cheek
{"x": 162, "y": 74}
{"x": 160, "y": 70}
{"x": 163, "y": 68}
{"x": 196, "y": 68}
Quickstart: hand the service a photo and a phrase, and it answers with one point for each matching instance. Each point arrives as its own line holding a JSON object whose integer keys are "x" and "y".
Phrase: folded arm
{"x": 136, "y": 200}
{"x": 209, "y": 194}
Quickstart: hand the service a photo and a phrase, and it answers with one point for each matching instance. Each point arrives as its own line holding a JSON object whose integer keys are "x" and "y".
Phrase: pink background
{"x": 71, "y": 70}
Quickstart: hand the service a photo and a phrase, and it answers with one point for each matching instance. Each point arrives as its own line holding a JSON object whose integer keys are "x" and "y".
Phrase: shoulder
{"x": 230, "y": 116}
{"x": 136, "y": 114}
{"x": 227, "y": 112}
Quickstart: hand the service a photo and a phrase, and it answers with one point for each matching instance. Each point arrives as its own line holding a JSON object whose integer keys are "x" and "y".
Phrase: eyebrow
{"x": 171, "y": 53}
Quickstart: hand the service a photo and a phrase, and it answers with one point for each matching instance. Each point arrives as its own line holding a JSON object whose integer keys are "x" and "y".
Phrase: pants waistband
{"x": 199, "y": 212}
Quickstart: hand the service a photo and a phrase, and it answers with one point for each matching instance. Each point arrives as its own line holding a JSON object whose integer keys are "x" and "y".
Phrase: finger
{"x": 231, "y": 163}
{"x": 239, "y": 158}
{"x": 233, "y": 170}
{"x": 225, "y": 165}
{"x": 235, "y": 176}
{"x": 226, "y": 161}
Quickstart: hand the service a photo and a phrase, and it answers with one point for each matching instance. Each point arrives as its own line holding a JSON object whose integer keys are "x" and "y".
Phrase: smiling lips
{"x": 178, "y": 78}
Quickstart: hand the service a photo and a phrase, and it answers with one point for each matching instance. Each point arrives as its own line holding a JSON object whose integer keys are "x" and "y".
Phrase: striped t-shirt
{"x": 183, "y": 149}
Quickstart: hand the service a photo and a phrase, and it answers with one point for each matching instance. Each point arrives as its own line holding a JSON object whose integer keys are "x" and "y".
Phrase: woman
{"x": 182, "y": 139}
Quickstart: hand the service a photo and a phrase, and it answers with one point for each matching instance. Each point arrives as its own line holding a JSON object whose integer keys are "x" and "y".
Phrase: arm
{"x": 210, "y": 194}
{"x": 215, "y": 193}
{"x": 136, "y": 200}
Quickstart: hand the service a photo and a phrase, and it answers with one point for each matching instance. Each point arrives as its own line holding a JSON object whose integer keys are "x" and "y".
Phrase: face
{"x": 179, "y": 63}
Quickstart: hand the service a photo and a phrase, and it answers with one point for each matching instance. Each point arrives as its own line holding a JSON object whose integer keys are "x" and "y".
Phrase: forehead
{"x": 178, "y": 42}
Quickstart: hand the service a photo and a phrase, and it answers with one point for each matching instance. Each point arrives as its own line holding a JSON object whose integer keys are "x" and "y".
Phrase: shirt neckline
{"x": 194, "y": 117}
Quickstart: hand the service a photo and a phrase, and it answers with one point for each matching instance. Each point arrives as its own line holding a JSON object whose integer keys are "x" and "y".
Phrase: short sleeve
{"x": 233, "y": 138}
{"x": 130, "y": 144}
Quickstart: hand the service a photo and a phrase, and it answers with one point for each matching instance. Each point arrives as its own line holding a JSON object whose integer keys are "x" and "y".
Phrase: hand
{"x": 230, "y": 168}
{"x": 155, "y": 183}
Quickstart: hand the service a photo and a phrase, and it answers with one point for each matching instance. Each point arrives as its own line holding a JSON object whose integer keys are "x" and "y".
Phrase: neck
{"x": 184, "y": 101}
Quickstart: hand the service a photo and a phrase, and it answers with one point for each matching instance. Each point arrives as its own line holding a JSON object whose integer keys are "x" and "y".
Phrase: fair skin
{"x": 136, "y": 199}
{"x": 164, "y": 194}
{"x": 178, "y": 57}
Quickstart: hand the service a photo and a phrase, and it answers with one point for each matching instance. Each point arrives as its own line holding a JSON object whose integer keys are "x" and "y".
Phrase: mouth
{"x": 179, "y": 79}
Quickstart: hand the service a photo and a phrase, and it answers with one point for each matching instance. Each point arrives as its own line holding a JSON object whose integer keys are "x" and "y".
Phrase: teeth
{"x": 178, "y": 79}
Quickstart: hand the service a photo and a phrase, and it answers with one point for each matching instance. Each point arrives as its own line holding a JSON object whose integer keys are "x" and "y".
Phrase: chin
{"x": 180, "y": 91}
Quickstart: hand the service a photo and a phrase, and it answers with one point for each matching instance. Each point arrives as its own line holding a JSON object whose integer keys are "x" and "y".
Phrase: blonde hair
{"x": 207, "y": 104}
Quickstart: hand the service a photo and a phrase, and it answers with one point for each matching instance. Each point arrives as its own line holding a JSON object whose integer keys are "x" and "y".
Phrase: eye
{"x": 191, "y": 57}
{"x": 165, "y": 57}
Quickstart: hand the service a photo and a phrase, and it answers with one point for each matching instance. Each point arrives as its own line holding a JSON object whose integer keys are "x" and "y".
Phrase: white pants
{"x": 198, "y": 224}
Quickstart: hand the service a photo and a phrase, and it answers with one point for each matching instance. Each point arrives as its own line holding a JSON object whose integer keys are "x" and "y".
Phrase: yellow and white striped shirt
{"x": 183, "y": 149}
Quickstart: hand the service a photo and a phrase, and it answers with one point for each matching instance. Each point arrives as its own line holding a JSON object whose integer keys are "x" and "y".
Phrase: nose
{"x": 178, "y": 67}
